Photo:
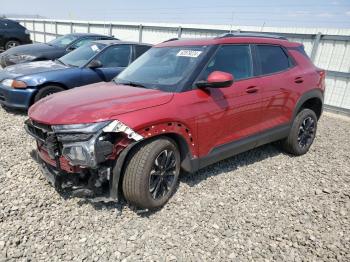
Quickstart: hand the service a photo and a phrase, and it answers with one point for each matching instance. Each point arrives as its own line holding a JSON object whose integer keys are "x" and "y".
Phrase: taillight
{"x": 322, "y": 82}
{"x": 322, "y": 73}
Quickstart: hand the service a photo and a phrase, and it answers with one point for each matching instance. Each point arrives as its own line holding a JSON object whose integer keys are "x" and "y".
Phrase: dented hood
{"x": 95, "y": 103}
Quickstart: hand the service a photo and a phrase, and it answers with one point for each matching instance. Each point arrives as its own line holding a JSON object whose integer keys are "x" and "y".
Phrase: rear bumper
{"x": 16, "y": 98}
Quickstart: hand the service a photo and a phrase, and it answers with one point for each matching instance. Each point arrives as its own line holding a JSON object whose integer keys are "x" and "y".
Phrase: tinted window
{"x": 63, "y": 41}
{"x": 233, "y": 59}
{"x": 116, "y": 56}
{"x": 82, "y": 42}
{"x": 272, "y": 59}
{"x": 82, "y": 55}
{"x": 140, "y": 49}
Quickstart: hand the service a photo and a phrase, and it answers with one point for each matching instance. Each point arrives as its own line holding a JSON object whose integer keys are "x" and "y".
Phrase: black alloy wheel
{"x": 162, "y": 175}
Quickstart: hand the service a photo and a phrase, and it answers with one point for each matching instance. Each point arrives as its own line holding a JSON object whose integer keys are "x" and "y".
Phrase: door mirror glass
{"x": 95, "y": 64}
{"x": 217, "y": 79}
{"x": 71, "y": 48}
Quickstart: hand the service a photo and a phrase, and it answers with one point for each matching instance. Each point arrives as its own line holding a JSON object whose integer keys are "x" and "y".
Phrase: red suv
{"x": 183, "y": 105}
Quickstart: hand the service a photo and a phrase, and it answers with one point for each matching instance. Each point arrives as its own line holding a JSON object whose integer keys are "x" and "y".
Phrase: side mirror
{"x": 217, "y": 79}
{"x": 95, "y": 64}
{"x": 71, "y": 48}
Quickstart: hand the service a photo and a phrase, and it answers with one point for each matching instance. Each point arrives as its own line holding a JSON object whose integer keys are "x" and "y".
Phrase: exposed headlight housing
{"x": 84, "y": 145}
{"x": 80, "y": 154}
{"x": 14, "y": 83}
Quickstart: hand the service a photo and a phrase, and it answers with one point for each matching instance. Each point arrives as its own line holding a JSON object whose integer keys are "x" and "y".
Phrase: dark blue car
{"x": 48, "y": 51}
{"x": 23, "y": 84}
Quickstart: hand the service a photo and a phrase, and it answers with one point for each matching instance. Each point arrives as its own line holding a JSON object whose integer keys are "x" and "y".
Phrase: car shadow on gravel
{"x": 13, "y": 111}
{"x": 230, "y": 164}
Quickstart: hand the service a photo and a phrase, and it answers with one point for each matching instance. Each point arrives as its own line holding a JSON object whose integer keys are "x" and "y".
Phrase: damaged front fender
{"x": 118, "y": 127}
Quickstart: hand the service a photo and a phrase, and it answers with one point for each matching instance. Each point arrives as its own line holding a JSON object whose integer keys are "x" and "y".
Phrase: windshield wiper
{"x": 129, "y": 83}
{"x": 60, "y": 61}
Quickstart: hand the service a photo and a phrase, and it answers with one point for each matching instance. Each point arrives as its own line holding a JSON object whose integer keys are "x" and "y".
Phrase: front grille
{"x": 2, "y": 98}
{"x": 45, "y": 127}
{"x": 38, "y": 130}
{"x": 44, "y": 134}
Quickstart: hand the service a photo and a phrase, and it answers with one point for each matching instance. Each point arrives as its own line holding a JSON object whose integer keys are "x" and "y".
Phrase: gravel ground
{"x": 261, "y": 205}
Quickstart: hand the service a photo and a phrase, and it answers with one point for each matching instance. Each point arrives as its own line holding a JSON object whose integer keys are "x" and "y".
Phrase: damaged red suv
{"x": 183, "y": 105}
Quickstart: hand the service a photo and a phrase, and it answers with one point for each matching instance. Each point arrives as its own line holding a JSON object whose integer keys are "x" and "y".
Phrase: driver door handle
{"x": 252, "y": 89}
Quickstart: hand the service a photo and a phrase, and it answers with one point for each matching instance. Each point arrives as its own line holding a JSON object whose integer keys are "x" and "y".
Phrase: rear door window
{"x": 273, "y": 59}
{"x": 116, "y": 56}
{"x": 233, "y": 59}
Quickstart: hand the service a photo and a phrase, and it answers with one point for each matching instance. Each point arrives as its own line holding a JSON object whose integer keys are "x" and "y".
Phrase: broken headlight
{"x": 79, "y": 142}
{"x": 86, "y": 145}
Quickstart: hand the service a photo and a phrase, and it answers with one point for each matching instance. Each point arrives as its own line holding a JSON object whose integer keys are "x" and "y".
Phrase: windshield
{"x": 162, "y": 68}
{"x": 82, "y": 55}
{"x": 63, "y": 41}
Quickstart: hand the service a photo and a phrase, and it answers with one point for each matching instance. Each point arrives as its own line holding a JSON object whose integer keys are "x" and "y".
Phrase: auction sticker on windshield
{"x": 95, "y": 48}
{"x": 189, "y": 53}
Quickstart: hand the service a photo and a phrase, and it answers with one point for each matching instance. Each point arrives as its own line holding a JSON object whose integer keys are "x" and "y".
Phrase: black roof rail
{"x": 238, "y": 34}
{"x": 171, "y": 39}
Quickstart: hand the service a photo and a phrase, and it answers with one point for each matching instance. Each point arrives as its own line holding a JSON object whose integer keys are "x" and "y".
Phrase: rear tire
{"x": 46, "y": 91}
{"x": 151, "y": 173}
{"x": 11, "y": 43}
{"x": 302, "y": 133}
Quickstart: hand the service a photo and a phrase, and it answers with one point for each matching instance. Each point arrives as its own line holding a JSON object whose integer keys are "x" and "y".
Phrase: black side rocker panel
{"x": 234, "y": 148}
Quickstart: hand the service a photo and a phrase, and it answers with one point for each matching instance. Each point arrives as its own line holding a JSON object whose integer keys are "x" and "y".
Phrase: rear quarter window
{"x": 273, "y": 59}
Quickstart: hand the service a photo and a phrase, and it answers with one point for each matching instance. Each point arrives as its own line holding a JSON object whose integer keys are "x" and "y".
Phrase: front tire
{"x": 46, "y": 91}
{"x": 151, "y": 173}
{"x": 302, "y": 133}
{"x": 11, "y": 43}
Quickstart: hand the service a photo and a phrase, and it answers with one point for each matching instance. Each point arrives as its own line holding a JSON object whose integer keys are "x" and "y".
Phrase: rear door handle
{"x": 299, "y": 80}
{"x": 252, "y": 89}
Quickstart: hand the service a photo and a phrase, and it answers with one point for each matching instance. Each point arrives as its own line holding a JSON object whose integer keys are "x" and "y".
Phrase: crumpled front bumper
{"x": 99, "y": 181}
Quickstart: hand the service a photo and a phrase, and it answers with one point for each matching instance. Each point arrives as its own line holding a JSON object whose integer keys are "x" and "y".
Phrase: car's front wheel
{"x": 11, "y": 43}
{"x": 302, "y": 133}
{"x": 151, "y": 173}
{"x": 46, "y": 91}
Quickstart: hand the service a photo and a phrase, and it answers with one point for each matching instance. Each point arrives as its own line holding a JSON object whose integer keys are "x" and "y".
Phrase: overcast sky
{"x": 308, "y": 13}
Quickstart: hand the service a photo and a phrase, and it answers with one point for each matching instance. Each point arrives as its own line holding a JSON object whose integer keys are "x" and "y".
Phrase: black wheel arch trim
{"x": 314, "y": 93}
{"x": 114, "y": 183}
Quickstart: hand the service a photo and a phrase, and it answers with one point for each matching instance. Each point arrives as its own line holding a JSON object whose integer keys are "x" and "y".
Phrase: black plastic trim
{"x": 236, "y": 147}
{"x": 315, "y": 93}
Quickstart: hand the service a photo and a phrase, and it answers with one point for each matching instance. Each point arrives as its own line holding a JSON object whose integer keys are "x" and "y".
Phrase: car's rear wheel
{"x": 46, "y": 91}
{"x": 11, "y": 43}
{"x": 302, "y": 133}
{"x": 151, "y": 173}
